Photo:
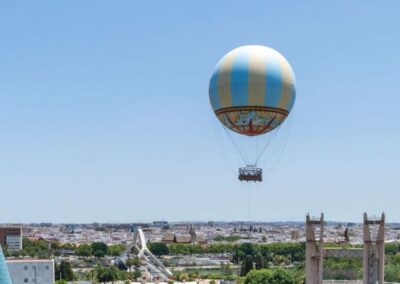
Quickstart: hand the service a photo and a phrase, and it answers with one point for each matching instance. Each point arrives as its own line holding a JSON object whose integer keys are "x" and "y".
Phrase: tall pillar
{"x": 4, "y": 274}
{"x": 314, "y": 249}
{"x": 374, "y": 250}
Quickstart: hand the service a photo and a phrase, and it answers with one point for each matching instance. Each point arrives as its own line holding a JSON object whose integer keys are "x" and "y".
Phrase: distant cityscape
{"x": 207, "y": 232}
{"x": 37, "y": 253}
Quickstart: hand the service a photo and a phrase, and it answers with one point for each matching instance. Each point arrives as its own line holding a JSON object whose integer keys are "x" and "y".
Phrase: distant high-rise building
{"x": 31, "y": 271}
{"x": 4, "y": 274}
{"x": 11, "y": 237}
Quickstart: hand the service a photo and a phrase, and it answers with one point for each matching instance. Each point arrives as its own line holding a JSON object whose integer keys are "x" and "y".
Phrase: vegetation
{"x": 110, "y": 274}
{"x": 227, "y": 239}
{"x": 294, "y": 251}
{"x": 64, "y": 271}
{"x": 266, "y": 276}
{"x": 115, "y": 250}
{"x": 342, "y": 268}
{"x": 46, "y": 249}
{"x": 158, "y": 248}
{"x": 258, "y": 263}
{"x": 136, "y": 263}
{"x": 99, "y": 249}
{"x": 84, "y": 250}
{"x": 258, "y": 276}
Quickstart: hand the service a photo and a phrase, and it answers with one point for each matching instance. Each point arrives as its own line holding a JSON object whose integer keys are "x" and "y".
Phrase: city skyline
{"x": 104, "y": 112}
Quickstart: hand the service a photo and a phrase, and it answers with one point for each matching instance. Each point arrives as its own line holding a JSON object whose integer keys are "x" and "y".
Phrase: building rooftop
{"x": 28, "y": 260}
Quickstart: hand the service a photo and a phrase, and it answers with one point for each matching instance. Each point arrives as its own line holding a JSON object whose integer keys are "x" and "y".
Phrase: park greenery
{"x": 227, "y": 238}
{"x": 281, "y": 263}
{"x": 46, "y": 249}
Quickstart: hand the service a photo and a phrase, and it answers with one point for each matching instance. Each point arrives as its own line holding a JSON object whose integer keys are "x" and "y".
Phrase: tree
{"x": 396, "y": 259}
{"x": 247, "y": 248}
{"x": 99, "y": 253}
{"x": 92, "y": 275}
{"x": 107, "y": 274}
{"x": 392, "y": 273}
{"x": 281, "y": 276}
{"x": 129, "y": 264}
{"x": 259, "y": 260}
{"x": 99, "y": 249}
{"x": 235, "y": 255}
{"x": 158, "y": 248}
{"x": 258, "y": 277}
{"x": 115, "y": 250}
{"x": 64, "y": 271}
{"x": 266, "y": 276}
{"x": 392, "y": 248}
{"x": 183, "y": 277}
{"x": 84, "y": 250}
{"x": 247, "y": 265}
{"x": 226, "y": 269}
{"x": 137, "y": 274}
{"x": 137, "y": 263}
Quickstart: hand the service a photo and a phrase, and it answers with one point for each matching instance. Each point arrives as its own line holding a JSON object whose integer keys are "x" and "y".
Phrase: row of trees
{"x": 253, "y": 258}
{"x": 47, "y": 249}
{"x": 352, "y": 268}
{"x": 277, "y": 276}
{"x": 342, "y": 268}
{"x": 63, "y": 272}
{"x": 249, "y": 256}
{"x": 294, "y": 251}
{"x": 99, "y": 249}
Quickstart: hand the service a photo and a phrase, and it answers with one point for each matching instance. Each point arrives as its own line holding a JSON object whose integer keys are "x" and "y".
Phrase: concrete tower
{"x": 374, "y": 250}
{"x": 314, "y": 249}
{"x": 4, "y": 274}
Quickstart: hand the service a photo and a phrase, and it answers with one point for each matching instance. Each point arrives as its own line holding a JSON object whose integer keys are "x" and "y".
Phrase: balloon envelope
{"x": 252, "y": 90}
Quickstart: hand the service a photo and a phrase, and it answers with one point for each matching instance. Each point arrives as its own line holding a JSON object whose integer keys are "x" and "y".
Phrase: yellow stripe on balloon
{"x": 224, "y": 79}
{"x": 287, "y": 83}
{"x": 257, "y": 77}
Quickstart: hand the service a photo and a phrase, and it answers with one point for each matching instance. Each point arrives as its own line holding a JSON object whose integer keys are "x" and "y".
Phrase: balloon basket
{"x": 250, "y": 173}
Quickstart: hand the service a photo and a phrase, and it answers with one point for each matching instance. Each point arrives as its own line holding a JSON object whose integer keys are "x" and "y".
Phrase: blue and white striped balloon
{"x": 252, "y": 89}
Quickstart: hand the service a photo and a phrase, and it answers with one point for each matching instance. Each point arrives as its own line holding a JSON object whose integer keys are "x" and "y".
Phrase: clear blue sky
{"x": 104, "y": 112}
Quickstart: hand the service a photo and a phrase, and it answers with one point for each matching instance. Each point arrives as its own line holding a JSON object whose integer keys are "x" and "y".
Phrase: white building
{"x": 37, "y": 271}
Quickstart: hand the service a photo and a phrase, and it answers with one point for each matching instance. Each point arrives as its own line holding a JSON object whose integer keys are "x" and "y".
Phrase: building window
{"x": 47, "y": 267}
{"x": 26, "y": 280}
{"x": 26, "y": 267}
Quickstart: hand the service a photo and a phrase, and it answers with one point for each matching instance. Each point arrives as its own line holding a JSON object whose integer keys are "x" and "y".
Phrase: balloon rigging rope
{"x": 263, "y": 150}
{"x": 236, "y": 146}
{"x": 284, "y": 132}
{"x": 221, "y": 143}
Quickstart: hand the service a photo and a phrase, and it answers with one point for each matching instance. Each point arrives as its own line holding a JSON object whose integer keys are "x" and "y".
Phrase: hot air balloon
{"x": 252, "y": 91}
